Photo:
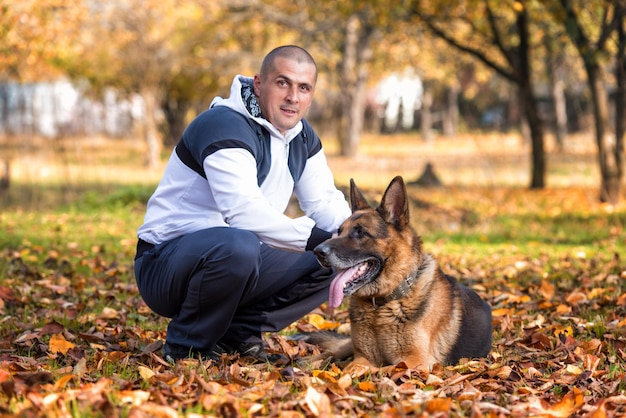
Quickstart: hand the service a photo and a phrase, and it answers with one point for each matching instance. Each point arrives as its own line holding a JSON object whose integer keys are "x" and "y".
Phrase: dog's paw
{"x": 359, "y": 367}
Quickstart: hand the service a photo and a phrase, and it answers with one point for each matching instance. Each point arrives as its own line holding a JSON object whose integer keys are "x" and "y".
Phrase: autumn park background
{"x": 517, "y": 106}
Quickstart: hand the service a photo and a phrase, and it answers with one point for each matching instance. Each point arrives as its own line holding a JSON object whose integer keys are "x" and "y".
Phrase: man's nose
{"x": 292, "y": 94}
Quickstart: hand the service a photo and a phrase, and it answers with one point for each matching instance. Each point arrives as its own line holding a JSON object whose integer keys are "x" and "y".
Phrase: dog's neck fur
{"x": 405, "y": 285}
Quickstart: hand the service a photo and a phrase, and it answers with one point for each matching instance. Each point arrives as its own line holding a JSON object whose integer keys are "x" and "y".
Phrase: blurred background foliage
{"x": 542, "y": 68}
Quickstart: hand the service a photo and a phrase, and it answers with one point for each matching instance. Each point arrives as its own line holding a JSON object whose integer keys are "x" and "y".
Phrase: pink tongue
{"x": 336, "y": 286}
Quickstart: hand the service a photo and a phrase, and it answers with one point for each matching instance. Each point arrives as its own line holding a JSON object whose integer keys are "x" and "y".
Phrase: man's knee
{"x": 238, "y": 252}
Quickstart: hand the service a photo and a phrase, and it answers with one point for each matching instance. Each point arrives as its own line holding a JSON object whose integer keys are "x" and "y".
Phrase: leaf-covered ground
{"x": 77, "y": 340}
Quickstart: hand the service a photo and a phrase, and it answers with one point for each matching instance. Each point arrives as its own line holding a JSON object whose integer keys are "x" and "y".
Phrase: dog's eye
{"x": 358, "y": 232}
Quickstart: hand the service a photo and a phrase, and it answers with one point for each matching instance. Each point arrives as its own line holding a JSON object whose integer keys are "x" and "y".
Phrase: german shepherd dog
{"x": 403, "y": 308}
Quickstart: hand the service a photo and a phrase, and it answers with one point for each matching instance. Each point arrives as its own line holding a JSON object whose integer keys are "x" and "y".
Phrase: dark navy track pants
{"x": 222, "y": 284}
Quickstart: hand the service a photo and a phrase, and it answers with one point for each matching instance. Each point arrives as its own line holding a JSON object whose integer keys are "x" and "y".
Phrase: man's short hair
{"x": 292, "y": 52}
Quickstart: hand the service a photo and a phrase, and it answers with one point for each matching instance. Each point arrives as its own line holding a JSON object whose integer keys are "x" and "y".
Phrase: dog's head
{"x": 369, "y": 240}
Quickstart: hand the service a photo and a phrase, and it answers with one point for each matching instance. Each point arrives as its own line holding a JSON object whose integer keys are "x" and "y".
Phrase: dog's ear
{"x": 357, "y": 200}
{"x": 394, "y": 206}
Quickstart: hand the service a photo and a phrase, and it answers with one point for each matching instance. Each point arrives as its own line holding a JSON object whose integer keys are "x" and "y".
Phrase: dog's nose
{"x": 321, "y": 251}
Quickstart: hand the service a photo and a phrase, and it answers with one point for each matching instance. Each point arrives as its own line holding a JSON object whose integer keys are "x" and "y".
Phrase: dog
{"x": 402, "y": 307}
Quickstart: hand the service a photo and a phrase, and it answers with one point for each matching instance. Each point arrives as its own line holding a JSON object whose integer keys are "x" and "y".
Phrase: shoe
{"x": 172, "y": 354}
{"x": 254, "y": 350}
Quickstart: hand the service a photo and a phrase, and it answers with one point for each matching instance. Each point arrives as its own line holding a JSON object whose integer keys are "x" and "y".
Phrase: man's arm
{"x": 233, "y": 183}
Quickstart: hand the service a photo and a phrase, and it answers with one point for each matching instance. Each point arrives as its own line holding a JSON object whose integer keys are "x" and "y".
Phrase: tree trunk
{"x": 607, "y": 156}
{"x": 555, "y": 72}
{"x": 620, "y": 99}
{"x": 610, "y": 148}
{"x": 175, "y": 111}
{"x": 357, "y": 52}
{"x": 153, "y": 143}
{"x": 348, "y": 143}
{"x": 535, "y": 126}
{"x": 451, "y": 115}
{"x": 427, "y": 116}
{"x": 560, "y": 112}
{"x": 531, "y": 112}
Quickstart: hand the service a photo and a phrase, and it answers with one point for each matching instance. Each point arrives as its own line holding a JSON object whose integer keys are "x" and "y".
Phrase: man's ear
{"x": 256, "y": 84}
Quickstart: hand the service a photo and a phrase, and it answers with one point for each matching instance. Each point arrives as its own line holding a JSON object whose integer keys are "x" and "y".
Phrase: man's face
{"x": 286, "y": 92}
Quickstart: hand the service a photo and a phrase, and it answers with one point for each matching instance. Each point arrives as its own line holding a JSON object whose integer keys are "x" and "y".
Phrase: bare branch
{"x": 475, "y": 52}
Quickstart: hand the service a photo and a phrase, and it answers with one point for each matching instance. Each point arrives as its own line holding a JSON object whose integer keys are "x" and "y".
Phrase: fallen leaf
{"x": 576, "y": 297}
{"x": 63, "y": 381}
{"x": 319, "y": 322}
{"x": 546, "y": 290}
{"x": 58, "y": 344}
{"x": 108, "y": 313}
{"x": 368, "y": 387}
{"x": 566, "y": 331}
{"x": 133, "y": 397}
{"x": 318, "y": 403}
{"x": 52, "y": 328}
{"x": 438, "y": 405}
{"x": 146, "y": 373}
{"x": 568, "y": 405}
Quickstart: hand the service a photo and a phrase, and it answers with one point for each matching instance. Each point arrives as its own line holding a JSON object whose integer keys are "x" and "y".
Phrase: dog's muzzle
{"x": 322, "y": 251}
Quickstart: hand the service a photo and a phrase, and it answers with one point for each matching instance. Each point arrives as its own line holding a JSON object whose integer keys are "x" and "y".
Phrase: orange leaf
{"x": 367, "y": 386}
{"x": 599, "y": 411}
{"x": 576, "y": 298}
{"x": 570, "y": 403}
{"x": 563, "y": 309}
{"x": 58, "y": 344}
{"x": 546, "y": 289}
{"x": 4, "y": 376}
{"x": 438, "y": 405}
{"x": 319, "y": 322}
{"x": 566, "y": 331}
{"x": 63, "y": 381}
{"x": 567, "y": 406}
{"x": 502, "y": 312}
{"x": 325, "y": 375}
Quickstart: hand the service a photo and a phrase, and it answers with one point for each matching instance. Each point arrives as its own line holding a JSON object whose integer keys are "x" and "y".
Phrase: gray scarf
{"x": 249, "y": 99}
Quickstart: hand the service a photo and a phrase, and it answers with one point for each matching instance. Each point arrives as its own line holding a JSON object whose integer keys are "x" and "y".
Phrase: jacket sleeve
{"x": 242, "y": 204}
{"x": 318, "y": 197}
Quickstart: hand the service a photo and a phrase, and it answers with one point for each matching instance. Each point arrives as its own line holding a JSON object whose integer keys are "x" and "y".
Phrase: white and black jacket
{"x": 233, "y": 168}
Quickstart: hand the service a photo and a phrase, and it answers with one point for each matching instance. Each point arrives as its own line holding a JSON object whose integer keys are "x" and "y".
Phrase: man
{"x": 216, "y": 252}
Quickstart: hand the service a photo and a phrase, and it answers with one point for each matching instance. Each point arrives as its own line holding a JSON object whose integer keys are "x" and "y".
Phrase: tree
{"x": 343, "y": 36}
{"x": 37, "y": 37}
{"x": 593, "y": 42}
{"x": 498, "y": 37}
{"x": 170, "y": 52}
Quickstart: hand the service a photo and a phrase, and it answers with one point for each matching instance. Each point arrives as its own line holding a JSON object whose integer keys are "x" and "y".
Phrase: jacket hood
{"x": 243, "y": 100}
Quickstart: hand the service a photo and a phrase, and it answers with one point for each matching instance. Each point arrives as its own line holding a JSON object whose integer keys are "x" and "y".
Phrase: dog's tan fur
{"x": 434, "y": 320}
